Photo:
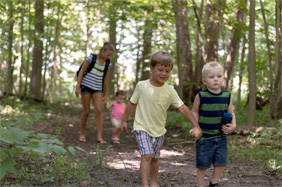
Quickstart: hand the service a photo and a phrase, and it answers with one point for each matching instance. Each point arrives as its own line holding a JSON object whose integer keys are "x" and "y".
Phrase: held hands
{"x": 228, "y": 128}
{"x": 123, "y": 127}
{"x": 196, "y": 132}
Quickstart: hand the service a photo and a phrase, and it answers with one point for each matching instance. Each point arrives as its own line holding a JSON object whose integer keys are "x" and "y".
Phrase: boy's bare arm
{"x": 195, "y": 109}
{"x": 196, "y": 131}
{"x": 128, "y": 110}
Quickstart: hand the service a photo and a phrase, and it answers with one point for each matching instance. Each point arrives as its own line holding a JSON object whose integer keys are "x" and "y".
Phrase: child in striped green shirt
{"x": 208, "y": 109}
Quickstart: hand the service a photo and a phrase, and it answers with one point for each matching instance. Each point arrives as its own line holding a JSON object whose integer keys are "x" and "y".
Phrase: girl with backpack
{"x": 91, "y": 85}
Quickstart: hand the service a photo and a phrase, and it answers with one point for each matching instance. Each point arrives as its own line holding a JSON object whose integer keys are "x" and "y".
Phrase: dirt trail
{"x": 177, "y": 163}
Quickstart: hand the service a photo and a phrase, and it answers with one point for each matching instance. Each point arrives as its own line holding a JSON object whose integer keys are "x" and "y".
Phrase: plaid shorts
{"x": 148, "y": 144}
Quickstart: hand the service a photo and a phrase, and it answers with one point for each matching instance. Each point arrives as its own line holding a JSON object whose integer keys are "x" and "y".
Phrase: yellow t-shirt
{"x": 152, "y": 104}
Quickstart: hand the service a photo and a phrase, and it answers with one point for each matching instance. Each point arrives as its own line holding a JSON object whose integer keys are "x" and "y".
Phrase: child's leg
{"x": 85, "y": 98}
{"x": 154, "y": 170}
{"x": 201, "y": 177}
{"x": 145, "y": 168}
{"x": 217, "y": 172}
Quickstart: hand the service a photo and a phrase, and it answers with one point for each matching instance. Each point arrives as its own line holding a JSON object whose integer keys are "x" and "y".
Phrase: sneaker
{"x": 115, "y": 138}
{"x": 116, "y": 142}
{"x": 214, "y": 185}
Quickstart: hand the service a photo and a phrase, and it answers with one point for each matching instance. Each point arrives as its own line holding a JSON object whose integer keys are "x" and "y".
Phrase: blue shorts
{"x": 148, "y": 144}
{"x": 88, "y": 91}
{"x": 212, "y": 151}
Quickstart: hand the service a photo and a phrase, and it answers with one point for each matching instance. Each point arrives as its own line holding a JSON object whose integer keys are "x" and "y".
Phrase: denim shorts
{"x": 86, "y": 91}
{"x": 212, "y": 151}
{"x": 148, "y": 144}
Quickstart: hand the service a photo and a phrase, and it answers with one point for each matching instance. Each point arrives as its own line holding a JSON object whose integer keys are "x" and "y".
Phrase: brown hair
{"x": 107, "y": 47}
{"x": 120, "y": 92}
{"x": 162, "y": 58}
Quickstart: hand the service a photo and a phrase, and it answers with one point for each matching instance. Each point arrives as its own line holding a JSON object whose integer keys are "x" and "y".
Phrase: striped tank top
{"x": 212, "y": 106}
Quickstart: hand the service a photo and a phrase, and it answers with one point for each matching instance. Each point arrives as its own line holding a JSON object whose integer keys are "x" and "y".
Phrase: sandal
{"x": 101, "y": 141}
{"x": 82, "y": 139}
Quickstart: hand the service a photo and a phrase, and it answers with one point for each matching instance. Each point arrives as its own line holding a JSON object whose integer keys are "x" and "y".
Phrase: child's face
{"x": 214, "y": 79}
{"x": 106, "y": 55}
{"x": 120, "y": 99}
{"x": 160, "y": 74}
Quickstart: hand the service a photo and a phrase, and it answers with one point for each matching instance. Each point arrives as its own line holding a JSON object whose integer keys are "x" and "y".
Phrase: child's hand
{"x": 196, "y": 132}
{"x": 228, "y": 128}
{"x": 123, "y": 127}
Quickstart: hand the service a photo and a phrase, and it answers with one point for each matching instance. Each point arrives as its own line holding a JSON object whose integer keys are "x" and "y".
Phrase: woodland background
{"x": 43, "y": 43}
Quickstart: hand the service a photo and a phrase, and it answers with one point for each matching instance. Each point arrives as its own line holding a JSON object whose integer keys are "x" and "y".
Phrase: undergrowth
{"x": 29, "y": 158}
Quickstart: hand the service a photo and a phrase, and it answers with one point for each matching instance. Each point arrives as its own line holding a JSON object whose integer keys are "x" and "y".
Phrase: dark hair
{"x": 162, "y": 58}
{"x": 120, "y": 92}
{"x": 107, "y": 47}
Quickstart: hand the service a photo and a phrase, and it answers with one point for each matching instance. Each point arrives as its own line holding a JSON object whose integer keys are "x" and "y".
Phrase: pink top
{"x": 118, "y": 110}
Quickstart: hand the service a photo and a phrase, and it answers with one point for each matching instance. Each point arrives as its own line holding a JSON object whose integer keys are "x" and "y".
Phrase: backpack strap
{"x": 92, "y": 63}
{"x": 105, "y": 72}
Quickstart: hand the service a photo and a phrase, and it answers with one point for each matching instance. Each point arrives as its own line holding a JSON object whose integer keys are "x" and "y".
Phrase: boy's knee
{"x": 155, "y": 159}
{"x": 147, "y": 157}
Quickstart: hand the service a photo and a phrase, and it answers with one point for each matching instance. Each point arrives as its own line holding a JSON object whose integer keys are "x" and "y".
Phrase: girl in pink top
{"x": 118, "y": 107}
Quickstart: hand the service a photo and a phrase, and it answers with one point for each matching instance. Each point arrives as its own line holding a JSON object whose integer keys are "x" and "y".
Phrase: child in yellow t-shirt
{"x": 152, "y": 98}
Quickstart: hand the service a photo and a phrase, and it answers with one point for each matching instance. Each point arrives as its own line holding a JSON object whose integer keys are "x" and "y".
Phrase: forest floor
{"x": 177, "y": 162}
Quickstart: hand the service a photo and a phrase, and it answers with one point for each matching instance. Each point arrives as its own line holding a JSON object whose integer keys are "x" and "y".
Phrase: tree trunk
{"x": 252, "y": 68}
{"x": 184, "y": 54}
{"x": 139, "y": 59}
{"x": 28, "y": 53}
{"x": 242, "y": 65}
{"x": 35, "y": 84}
{"x": 212, "y": 29}
{"x": 112, "y": 36}
{"x": 22, "y": 52}
{"x": 10, "y": 82}
{"x": 234, "y": 42}
{"x": 276, "y": 98}
{"x": 200, "y": 57}
{"x": 268, "y": 46}
{"x": 147, "y": 45}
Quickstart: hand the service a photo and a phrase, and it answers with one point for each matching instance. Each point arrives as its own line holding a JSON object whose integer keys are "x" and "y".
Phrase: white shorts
{"x": 116, "y": 122}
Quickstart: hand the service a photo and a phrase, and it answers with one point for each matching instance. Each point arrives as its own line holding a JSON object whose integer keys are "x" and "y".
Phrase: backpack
{"x": 92, "y": 64}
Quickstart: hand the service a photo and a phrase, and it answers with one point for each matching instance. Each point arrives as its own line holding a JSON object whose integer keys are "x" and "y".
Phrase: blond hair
{"x": 162, "y": 58}
{"x": 210, "y": 65}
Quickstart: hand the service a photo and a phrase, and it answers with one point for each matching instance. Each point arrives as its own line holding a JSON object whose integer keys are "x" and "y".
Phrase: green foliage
{"x": 16, "y": 140}
{"x": 262, "y": 148}
{"x": 177, "y": 120}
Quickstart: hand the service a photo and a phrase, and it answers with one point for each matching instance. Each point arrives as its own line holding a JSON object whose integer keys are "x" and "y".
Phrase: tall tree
{"x": 184, "y": 54}
{"x": 112, "y": 35}
{"x": 241, "y": 69}
{"x": 200, "y": 56}
{"x": 35, "y": 84}
{"x": 268, "y": 45}
{"x": 22, "y": 47}
{"x": 233, "y": 46}
{"x": 147, "y": 43}
{"x": 276, "y": 98}
{"x": 10, "y": 82}
{"x": 212, "y": 29}
{"x": 29, "y": 46}
{"x": 252, "y": 67}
